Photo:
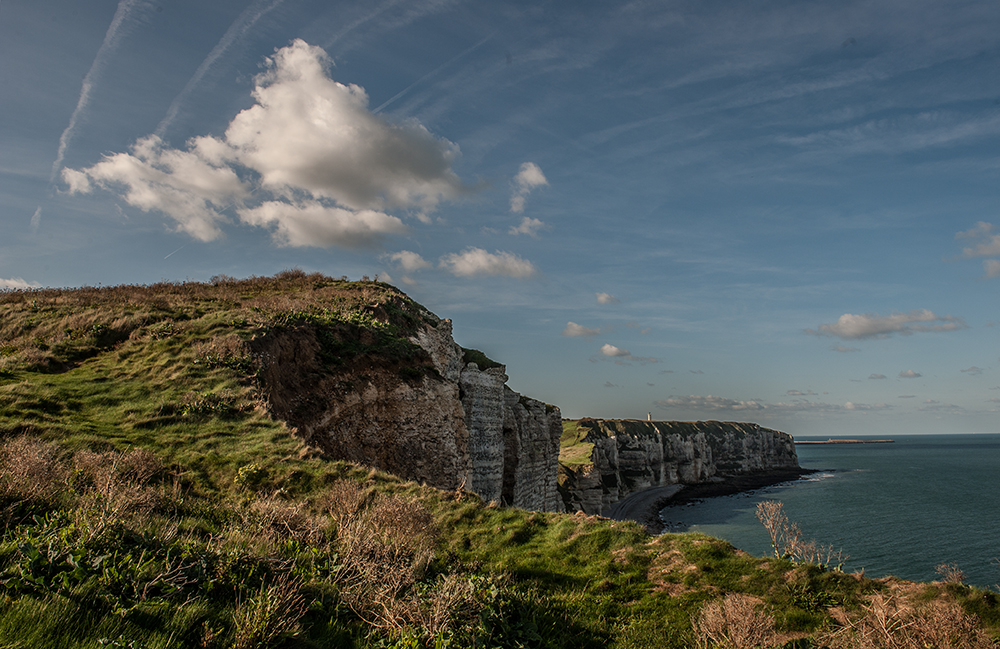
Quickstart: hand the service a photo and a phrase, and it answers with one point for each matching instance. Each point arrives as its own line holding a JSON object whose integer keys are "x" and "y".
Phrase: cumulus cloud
{"x": 871, "y": 325}
{"x": 528, "y": 177}
{"x": 606, "y": 298}
{"x": 476, "y": 261}
{"x": 611, "y": 350}
{"x": 17, "y": 283}
{"x": 311, "y": 223}
{"x": 622, "y": 356}
{"x": 315, "y": 165}
{"x": 529, "y": 226}
{"x": 409, "y": 261}
{"x": 189, "y": 186}
{"x": 909, "y": 374}
{"x": 877, "y": 377}
{"x": 574, "y": 330}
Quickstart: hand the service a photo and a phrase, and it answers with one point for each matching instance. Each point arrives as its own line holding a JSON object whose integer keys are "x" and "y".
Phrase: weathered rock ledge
{"x": 630, "y": 456}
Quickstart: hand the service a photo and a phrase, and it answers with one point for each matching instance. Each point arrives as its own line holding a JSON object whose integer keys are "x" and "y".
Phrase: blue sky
{"x": 781, "y": 212}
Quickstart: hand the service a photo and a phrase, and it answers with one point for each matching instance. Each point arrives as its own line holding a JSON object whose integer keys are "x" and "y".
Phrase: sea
{"x": 899, "y": 509}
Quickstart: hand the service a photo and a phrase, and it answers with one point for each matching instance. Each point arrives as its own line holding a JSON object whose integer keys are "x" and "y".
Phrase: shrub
{"x": 888, "y": 622}
{"x": 737, "y": 622}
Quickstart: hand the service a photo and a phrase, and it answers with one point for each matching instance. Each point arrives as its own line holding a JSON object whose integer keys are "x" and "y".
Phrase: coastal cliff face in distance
{"x": 605, "y": 460}
{"x": 440, "y": 418}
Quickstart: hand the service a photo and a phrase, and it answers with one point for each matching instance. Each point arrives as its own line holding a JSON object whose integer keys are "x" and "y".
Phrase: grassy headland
{"x": 150, "y": 498}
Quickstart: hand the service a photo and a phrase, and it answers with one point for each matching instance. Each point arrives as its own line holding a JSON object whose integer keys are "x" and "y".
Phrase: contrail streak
{"x": 111, "y": 39}
{"x": 432, "y": 73}
{"x": 240, "y": 26}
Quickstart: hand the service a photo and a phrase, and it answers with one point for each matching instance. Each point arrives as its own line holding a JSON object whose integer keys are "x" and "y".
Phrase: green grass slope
{"x": 149, "y": 499}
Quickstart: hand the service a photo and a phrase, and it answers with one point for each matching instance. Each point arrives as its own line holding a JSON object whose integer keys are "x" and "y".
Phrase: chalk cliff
{"x": 632, "y": 455}
{"x": 428, "y": 415}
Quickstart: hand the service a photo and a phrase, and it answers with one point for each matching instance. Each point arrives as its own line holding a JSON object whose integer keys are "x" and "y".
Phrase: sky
{"x": 777, "y": 212}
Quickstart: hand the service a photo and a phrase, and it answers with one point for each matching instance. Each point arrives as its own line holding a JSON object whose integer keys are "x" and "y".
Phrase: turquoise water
{"x": 897, "y": 509}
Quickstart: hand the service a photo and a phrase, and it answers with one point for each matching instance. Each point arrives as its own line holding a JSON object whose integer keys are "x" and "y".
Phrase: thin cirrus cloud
{"x": 476, "y": 261}
{"x": 574, "y": 330}
{"x": 872, "y": 325}
{"x": 317, "y": 167}
{"x": 528, "y": 178}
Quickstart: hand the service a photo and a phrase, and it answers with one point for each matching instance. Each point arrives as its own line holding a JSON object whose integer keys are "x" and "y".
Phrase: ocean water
{"x": 897, "y": 509}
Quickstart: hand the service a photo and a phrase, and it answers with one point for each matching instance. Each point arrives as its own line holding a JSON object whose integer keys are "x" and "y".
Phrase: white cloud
{"x": 308, "y": 132}
{"x": 311, "y": 223}
{"x": 711, "y": 403}
{"x": 574, "y": 330}
{"x": 606, "y": 298}
{"x": 409, "y": 261}
{"x": 871, "y": 325}
{"x": 708, "y": 402}
{"x": 909, "y": 374}
{"x": 988, "y": 245}
{"x": 17, "y": 283}
{"x": 182, "y": 184}
{"x": 476, "y": 261}
{"x": 529, "y": 177}
{"x": 529, "y": 226}
{"x": 877, "y": 377}
{"x": 611, "y": 350}
{"x": 324, "y": 167}
{"x": 623, "y": 357}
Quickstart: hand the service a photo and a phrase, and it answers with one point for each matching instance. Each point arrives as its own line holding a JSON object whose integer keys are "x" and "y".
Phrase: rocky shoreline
{"x": 647, "y": 510}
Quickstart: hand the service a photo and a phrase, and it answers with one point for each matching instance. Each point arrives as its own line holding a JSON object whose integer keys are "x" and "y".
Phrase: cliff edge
{"x": 604, "y": 460}
{"x": 420, "y": 407}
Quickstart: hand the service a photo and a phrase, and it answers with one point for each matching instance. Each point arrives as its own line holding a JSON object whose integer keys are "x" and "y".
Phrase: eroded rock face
{"x": 633, "y": 455}
{"x": 448, "y": 424}
{"x": 531, "y": 432}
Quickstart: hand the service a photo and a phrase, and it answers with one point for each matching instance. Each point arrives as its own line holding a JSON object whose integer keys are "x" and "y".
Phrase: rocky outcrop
{"x": 433, "y": 417}
{"x": 634, "y": 455}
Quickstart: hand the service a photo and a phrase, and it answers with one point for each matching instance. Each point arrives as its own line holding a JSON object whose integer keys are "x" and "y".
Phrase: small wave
{"x": 817, "y": 477}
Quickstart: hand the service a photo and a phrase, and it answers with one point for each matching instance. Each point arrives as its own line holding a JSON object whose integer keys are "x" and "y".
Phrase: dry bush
{"x": 385, "y": 544}
{"x": 737, "y": 622}
{"x": 113, "y": 486}
{"x": 31, "y": 470}
{"x": 786, "y": 538}
{"x": 950, "y": 573}
{"x": 889, "y": 622}
{"x": 272, "y": 612}
{"x": 269, "y": 519}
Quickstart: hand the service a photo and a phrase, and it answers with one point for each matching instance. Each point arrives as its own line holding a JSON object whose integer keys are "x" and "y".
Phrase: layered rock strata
{"x": 448, "y": 423}
{"x": 634, "y": 455}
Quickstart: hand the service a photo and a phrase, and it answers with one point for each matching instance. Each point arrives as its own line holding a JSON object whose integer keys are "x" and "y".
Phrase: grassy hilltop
{"x": 150, "y": 497}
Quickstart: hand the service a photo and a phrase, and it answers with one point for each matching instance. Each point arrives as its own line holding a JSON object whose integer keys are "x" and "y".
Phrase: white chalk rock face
{"x": 448, "y": 424}
{"x": 633, "y": 455}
